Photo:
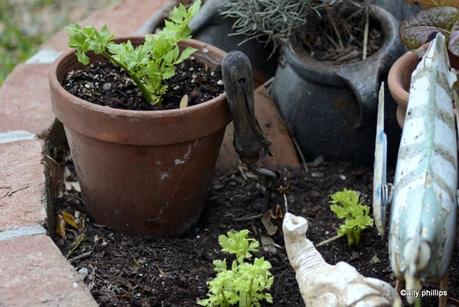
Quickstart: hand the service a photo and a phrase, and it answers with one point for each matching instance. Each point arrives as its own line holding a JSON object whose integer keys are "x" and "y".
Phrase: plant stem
{"x": 249, "y": 296}
{"x": 146, "y": 94}
{"x": 324, "y": 242}
{"x": 365, "y": 35}
{"x": 76, "y": 243}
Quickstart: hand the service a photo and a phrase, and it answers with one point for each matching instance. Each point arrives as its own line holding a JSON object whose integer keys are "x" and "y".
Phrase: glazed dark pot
{"x": 142, "y": 172}
{"x": 331, "y": 109}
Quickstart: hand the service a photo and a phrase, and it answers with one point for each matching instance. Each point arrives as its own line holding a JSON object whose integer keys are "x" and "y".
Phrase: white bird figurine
{"x": 322, "y": 284}
{"x": 424, "y": 205}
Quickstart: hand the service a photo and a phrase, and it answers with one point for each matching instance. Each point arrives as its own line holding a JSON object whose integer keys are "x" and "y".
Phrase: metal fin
{"x": 436, "y": 58}
{"x": 381, "y": 190}
{"x": 456, "y": 116}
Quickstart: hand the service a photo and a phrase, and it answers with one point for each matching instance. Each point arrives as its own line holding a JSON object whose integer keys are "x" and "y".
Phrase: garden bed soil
{"x": 153, "y": 271}
{"x": 338, "y": 38}
{"x": 106, "y": 84}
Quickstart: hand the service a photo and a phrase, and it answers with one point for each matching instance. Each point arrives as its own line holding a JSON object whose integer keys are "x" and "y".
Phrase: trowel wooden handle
{"x": 249, "y": 140}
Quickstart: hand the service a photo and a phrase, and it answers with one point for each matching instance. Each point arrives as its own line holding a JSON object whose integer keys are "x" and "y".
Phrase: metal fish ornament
{"x": 424, "y": 194}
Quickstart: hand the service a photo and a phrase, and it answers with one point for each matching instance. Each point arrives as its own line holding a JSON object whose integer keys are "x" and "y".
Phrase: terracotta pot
{"x": 142, "y": 172}
{"x": 399, "y": 80}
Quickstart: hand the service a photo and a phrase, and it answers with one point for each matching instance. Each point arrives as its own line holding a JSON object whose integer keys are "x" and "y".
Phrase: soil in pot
{"x": 337, "y": 37}
{"x": 153, "y": 271}
{"x": 108, "y": 85}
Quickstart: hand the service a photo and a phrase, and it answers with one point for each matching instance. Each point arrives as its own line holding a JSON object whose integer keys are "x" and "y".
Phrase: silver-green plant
{"x": 273, "y": 20}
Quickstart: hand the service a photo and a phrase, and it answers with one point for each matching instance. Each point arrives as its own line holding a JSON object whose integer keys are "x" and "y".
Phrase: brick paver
{"x": 33, "y": 272}
{"x": 22, "y": 182}
{"x": 25, "y": 100}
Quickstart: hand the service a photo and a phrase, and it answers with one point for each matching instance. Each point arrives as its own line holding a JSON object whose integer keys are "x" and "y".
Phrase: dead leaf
{"x": 433, "y": 3}
{"x": 184, "y": 102}
{"x": 270, "y": 227}
{"x": 278, "y": 213}
{"x": 69, "y": 219}
{"x": 60, "y": 226}
{"x": 268, "y": 245}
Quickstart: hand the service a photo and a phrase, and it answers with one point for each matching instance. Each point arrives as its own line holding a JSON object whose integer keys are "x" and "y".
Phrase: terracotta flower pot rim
{"x": 108, "y": 113}
{"x": 92, "y": 106}
{"x": 394, "y": 79}
{"x": 323, "y": 72}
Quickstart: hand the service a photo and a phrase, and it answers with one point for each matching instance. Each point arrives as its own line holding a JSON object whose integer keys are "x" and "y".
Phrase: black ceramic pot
{"x": 331, "y": 109}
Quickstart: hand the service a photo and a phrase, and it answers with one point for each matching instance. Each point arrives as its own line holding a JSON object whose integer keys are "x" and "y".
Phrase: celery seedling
{"x": 347, "y": 206}
{"x": 148, "y": 64}
{"x": 243, "y": 283}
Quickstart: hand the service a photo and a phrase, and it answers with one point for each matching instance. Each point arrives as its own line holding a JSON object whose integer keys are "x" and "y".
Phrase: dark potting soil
{"x": 106, "y": 84}
{"x": 338, "y": 38}
{"x": 151, "y": 271}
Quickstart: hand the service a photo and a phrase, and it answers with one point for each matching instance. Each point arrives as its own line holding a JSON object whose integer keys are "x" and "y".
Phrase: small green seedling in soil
{"x": 347, "y": 206}
{"x": 244, "y": 283}
{"x": 148, "y": 64}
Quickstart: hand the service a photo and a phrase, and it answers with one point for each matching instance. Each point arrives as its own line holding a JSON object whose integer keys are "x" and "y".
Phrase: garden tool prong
{"x": 272, "y": 176}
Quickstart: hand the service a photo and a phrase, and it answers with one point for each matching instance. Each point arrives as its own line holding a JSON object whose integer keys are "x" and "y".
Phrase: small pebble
{"x": 318, "y": 161}
{"x": 83, "y": 271}
{"x": 220, "y": 82}
{"x": 107, "y": 86}
{"x": 355, "y": 255}
{"x": 176, "y": 87}
{"x": 375, "y": 259}
{"x": 342, "y": 177}
{"x": 316, "y": 174}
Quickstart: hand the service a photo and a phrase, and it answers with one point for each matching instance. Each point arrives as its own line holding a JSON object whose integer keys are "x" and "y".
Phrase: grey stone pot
{"x": 331, "y": 109}
{"x": 211, "y": 27}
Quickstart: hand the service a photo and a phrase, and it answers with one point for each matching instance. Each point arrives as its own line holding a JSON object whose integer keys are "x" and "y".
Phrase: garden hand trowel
{"x": 250, "y": 142}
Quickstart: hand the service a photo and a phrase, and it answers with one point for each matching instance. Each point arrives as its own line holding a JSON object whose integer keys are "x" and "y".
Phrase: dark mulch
{"x": 148, "y": 271}
{"x": 337, "y": 36}
{"x": 108, "y": 85}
